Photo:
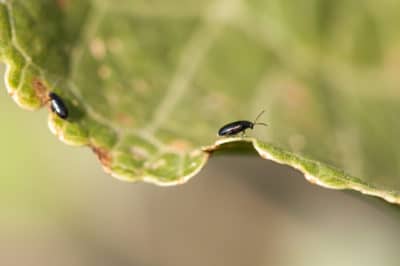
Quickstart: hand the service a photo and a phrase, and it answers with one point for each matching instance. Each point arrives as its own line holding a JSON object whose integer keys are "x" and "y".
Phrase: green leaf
{"x": 149, "y": 83}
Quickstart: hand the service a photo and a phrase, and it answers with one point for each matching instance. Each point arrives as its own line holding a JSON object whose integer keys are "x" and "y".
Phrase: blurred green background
{"x": 59, "y": 208}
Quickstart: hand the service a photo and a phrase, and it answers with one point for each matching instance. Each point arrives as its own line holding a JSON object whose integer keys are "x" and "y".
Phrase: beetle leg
{"x": 243, "y": 133}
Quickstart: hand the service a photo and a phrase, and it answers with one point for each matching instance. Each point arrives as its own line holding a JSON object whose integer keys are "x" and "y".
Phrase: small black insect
{"x": 58, "y": 106}
{"x": 239, "y": 126}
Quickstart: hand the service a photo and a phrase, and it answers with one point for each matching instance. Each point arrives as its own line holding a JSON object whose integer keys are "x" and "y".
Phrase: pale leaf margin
{"x": 314, "y": 171}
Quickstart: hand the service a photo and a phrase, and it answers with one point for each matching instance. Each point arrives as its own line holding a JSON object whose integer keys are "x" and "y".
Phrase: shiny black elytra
{"x": 239, "y": 126}
{"x": 58, "y": 106}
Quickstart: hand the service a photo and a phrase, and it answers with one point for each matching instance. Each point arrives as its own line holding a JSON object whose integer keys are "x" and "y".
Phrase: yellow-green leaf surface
{"x": 149, "y": 83}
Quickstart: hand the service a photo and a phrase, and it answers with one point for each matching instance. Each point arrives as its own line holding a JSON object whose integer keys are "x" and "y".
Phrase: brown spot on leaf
{"x": 124, "y": 119}
{"x": 296, "y": 95}
{"x": 103, "y": 156}
{"x": 141, "y": 86}
{"x": 104, "y": 72}
{"x": 97, "y": 48}
{"x": 62, "y": 4}
{"x": 40, "y": 90}
{"x": 179, "y": 145}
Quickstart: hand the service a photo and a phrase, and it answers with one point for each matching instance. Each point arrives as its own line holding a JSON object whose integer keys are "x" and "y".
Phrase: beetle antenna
{"x": 258, "y": 116}
{"x": 263, "y": 124}
{"x": 55, "y": 83}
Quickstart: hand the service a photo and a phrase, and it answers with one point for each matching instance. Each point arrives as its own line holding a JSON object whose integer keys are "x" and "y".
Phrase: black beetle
{"x": 58, "y": 106}
{"x": 239, "y": 126}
